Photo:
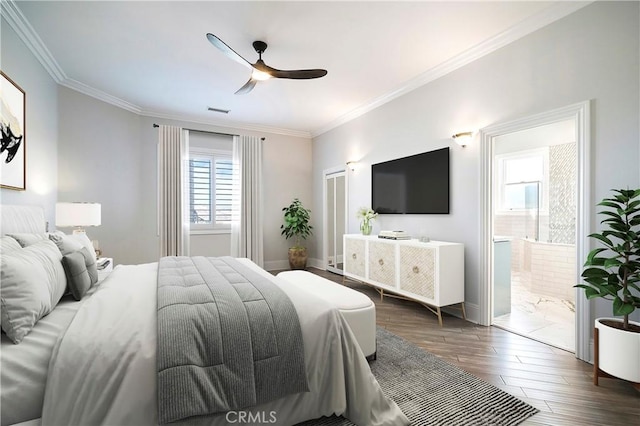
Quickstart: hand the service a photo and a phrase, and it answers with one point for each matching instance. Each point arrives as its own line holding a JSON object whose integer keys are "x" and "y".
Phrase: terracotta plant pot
{"x": 618, "y": 350}
{"x": 298, "y": 258}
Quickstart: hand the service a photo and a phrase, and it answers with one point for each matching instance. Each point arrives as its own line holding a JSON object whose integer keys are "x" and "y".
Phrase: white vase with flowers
{"x": 366, "y": 216}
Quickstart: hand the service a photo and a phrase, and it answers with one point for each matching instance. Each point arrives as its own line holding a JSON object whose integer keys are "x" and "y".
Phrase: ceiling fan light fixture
{"x": 260, "y": 75}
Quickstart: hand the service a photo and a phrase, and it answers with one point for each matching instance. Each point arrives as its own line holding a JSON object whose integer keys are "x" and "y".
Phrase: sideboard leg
{"x": 464, "y": 313}
{"x": 439, "y": 316}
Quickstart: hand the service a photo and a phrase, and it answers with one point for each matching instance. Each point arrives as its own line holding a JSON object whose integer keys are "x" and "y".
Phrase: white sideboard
{"x": 431, "y": 273}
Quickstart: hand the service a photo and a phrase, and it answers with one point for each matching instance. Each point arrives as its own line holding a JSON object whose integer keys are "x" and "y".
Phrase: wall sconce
{"x": 352, "y": 165}
{"x": 463, "y": 138}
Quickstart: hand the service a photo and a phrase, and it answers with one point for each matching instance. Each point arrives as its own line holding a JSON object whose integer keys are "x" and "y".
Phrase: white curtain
{"x": 246, "y": 226}
{"x": 173, "y": 191}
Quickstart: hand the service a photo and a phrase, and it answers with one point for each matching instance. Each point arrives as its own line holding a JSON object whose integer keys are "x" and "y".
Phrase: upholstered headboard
{"x": 17, "y": 219}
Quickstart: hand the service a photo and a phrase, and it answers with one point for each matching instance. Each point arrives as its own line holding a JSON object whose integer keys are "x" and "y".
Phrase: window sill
{"x": 209, "y": 231}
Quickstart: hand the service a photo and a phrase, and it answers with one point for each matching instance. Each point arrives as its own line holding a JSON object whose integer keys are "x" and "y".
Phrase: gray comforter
{"x": 228, "y": 339}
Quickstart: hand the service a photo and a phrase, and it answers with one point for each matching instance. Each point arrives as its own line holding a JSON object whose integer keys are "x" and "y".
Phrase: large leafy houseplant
{"x": 612, "y": 272}
{"x": 296, "y": 222}
{"x": 296, "y": 225}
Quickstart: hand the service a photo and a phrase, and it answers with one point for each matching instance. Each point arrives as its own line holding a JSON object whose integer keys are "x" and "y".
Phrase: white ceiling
{"x": 154, "y": 58}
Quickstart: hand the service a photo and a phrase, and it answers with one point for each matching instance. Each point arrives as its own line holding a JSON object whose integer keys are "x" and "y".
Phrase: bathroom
{"x": 534, "y": 222}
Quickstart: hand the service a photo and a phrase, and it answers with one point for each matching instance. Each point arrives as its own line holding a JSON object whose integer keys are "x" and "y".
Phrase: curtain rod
{"x": 205, "y": 131}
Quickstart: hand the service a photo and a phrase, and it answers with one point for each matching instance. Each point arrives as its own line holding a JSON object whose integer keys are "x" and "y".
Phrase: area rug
{"x": 432, "y": 392}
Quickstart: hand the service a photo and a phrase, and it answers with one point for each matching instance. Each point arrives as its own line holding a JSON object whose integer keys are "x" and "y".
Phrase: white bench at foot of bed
{"x": 356, "y": 308}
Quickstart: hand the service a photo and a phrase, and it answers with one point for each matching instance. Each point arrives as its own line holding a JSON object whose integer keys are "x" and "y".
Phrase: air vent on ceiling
{"x": 222, "y": 111}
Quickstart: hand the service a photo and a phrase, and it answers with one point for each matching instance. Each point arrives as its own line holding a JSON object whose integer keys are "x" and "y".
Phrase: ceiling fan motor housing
{"x": 259, "y": 46}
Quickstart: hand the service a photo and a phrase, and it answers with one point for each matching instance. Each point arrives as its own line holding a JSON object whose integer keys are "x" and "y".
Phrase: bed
{"x": 93, "y": 361}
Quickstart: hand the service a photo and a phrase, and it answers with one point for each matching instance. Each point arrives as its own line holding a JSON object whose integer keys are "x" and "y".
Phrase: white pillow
{"x": 84, "y": 240}
{"x": 32, "y": 281}
{"x": 8, "y": 244}
{"x": 26, "y": 239}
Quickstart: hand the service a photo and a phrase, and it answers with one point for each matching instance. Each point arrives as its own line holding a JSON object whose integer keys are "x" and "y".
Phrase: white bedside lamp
{"x": 78, "y": 215}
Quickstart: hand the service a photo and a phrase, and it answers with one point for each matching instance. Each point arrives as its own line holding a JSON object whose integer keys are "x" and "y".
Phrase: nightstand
{"x": 106, "y": 270}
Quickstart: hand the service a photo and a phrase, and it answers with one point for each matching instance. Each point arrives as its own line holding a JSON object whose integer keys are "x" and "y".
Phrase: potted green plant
{"x": 612, "y": 272}
{"x": 296, "y": 225}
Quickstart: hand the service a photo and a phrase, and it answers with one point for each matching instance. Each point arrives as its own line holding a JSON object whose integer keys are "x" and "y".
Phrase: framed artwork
{"x": 12, "y": 131}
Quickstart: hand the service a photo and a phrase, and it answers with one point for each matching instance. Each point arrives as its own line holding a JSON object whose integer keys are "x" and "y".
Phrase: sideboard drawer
{"x": 354, "y": 256}
{"x": 382, "y": 262}
{"x": 417, "y": 270}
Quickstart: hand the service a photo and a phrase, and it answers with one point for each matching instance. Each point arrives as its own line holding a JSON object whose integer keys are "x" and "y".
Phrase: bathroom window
{"x": 523, "y": 180}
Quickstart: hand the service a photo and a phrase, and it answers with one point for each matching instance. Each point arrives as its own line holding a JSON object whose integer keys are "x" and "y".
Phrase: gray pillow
{"x": 32, "y": 281}
{"x": 90, "y": 263}
{"x": 26, "y": 239}
{"x": 76, "y": 271}
{"x": 68, "y": 244}
{"x": 65, "y": 243}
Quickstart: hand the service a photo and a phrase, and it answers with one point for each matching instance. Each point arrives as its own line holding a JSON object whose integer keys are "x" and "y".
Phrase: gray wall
{"x": 108, "y": 155}
{"x": 41, "y": 136}
{"x": 100, "y": 159}
{"x": 591, "y": 54}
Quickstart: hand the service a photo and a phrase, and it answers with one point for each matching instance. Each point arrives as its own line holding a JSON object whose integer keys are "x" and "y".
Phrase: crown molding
{"x": 100, "y": 95}
{"x": 232, "y": 126}
{"x": 13, "y": 15}
{"x": 527, "y": 26}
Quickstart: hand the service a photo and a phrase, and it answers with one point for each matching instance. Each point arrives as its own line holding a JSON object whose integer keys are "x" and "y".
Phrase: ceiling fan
{"x": 262, "y": 71}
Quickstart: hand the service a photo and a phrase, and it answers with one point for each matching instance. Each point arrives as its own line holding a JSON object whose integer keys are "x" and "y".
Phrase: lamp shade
{"x": 78, "y": 214}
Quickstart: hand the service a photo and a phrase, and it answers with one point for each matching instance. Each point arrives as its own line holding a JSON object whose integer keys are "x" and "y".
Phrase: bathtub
{"x": 547, "y": 269}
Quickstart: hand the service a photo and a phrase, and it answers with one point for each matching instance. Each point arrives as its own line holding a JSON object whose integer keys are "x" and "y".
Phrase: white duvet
{"x": 103, "y": 370}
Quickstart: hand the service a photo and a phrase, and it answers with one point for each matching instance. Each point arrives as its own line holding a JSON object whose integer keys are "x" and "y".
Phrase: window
{"x": 210, "y": 189}
{"x": 523, "y": 180}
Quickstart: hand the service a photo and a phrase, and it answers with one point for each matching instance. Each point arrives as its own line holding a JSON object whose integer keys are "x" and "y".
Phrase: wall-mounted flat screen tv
{"x": 418, "y": 184}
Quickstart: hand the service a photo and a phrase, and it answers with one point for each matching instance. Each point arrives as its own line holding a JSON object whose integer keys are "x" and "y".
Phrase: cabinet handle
{"x": 416, "y": 270}
{"x": 381, "y": 262}
{"x": 353, "y": 256}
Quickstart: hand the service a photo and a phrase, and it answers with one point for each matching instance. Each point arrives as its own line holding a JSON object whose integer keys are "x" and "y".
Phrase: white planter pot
{"x": 619, "y": 351}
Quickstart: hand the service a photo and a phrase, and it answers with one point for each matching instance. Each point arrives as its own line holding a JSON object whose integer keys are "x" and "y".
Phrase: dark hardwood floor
{"x": 550, "y": 379}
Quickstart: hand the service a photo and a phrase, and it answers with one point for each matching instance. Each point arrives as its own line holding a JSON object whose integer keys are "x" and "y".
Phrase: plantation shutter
{"x": 223, "y": 192}
{"x": 200, "y": 198}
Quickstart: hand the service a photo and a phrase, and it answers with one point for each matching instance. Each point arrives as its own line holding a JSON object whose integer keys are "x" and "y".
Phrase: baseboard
{"x": 279, "y": 265}
{"x": 315, "y": 263}
{"x": 472, "y": 312}
{"x": 276, "y": 265}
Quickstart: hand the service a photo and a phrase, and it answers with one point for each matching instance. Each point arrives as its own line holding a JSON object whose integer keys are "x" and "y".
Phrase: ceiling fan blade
{"x": 298, "y": 74}
{"x": 294, "y": 74}
{"x": 227, "y": 50}
{"x": 248, "y": 86}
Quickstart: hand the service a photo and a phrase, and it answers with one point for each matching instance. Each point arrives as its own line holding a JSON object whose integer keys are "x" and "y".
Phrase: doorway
{"x": 335, "y": 218}
{"x": 544, "y": 220}
{"x": 534, "y": 222}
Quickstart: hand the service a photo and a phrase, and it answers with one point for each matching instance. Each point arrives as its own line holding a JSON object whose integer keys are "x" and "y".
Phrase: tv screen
{"x": 418, "y": 184}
